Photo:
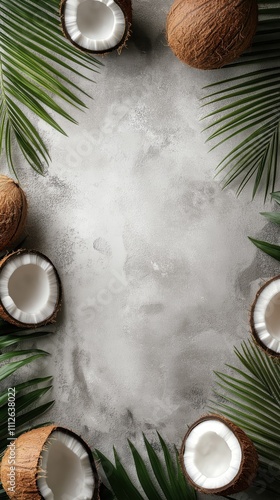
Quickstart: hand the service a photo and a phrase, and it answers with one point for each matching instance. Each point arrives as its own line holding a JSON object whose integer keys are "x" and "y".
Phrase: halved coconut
{"x": 30, "y": 289}
{"x": 52, "y": 463}
{"x": 217, "y": 457}
{"x": 265, "y": 317}
{"x": 13, "y": 212}
{"x": 96, "y": 26}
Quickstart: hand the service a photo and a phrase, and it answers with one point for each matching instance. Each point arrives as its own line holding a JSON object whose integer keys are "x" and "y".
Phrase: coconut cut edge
{"x": 246, "y": 473}
{"x": 72, "y": 434}
{"x": 125, "y": 6}
{"x": 41, "y": 436}
{"x": 258, "y": 342}
{"x": 4, "y": 314}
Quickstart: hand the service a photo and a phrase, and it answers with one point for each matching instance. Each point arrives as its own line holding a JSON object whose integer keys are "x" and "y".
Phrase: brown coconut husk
{"x": 13, "y": 212}
{"x": 125, "y": 6}
{"x": 29, "y": 448}
{"x": 249, "y": 463}
{"x": 4, "y": 314}
{"x": 211, "y": 34}
{"x": 254, "y": 333}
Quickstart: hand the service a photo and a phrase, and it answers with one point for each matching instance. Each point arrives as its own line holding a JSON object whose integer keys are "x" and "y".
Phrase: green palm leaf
{"x": 251, "y": 110}
{"x": 34, "y": 57}
{"x": 23, "y": 402}
{"x": 8, "y": 369}
{"x": 250, "y": 397}
{"x": 272, "y": 216}
{"x": 27, "y": 393}
{"x": 24, "y": 385}
{"x": 276, "y": 196}
{"x": 143, "y": 475}
{"x": 166, "y": 482}
{"x": 269, "y": 248}
{"x": 105, "y": 493}
{"x": 116, "y": 481}
{"x": 16, "y": 337}
{"x": 25, "y": 419}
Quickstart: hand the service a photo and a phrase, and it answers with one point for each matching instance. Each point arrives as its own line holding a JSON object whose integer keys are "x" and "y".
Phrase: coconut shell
{"x": 249, "y": 463}
{"x": 210, "y": 34}
{"x": 13, "y": 212}
{"x": 255, "y": 336}
{"x": 29, "y": 447}
{"x": 125, "y": 6}
{"x": 4, "y": 313}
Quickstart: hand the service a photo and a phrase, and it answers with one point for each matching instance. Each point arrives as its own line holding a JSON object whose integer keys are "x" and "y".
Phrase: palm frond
{"x": 34, "y": 57}
{"x": 272, "y": 216}
{"x": 276, "y": 197}
{"x": 266, "y": 247}
{"x": 159, "y": 480}
{"x": 250, "y": 397}
{"x": 26, "y": 394}
{"x": 105, "y": 493}
{"x": 251, "y": 109}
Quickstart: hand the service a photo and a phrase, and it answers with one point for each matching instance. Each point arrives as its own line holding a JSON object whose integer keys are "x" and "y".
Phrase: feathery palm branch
{"x": 269, "y": 248}
{"x": 166, "y": 482}
{"x": 250, "y": 397}
{"x": 28, "y": 393}
{"x": 250, "y": 108}
{"x": 34, "y": 56}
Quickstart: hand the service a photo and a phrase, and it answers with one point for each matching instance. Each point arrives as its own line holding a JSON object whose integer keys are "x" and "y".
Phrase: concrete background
{"x": 157, "y": 270}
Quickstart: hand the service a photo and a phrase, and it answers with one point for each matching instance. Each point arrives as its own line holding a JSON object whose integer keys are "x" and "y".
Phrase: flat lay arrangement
{"x": 131, "y": 315}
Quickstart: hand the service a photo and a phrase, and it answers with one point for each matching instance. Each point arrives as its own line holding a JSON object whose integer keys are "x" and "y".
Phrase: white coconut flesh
{"x": 95, "y": 25}
{"x": 66, "y": 471}
{"x": 267, "y": 316}
{"x": 29, "y": 288}
{"x": 212, "y": 455}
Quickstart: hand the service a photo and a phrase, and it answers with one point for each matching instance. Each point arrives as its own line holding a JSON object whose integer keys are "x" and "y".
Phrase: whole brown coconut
{"x": 207, "y": 34}
{"x": 13, "y": 212}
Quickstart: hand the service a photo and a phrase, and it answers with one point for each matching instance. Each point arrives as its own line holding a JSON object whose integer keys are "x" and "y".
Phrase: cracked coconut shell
{"x": 208, "y": 34}
{"x": 13, "y": 212}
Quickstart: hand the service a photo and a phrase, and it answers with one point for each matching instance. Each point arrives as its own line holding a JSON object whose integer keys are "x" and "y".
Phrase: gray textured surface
{"x": 157, "y": 270}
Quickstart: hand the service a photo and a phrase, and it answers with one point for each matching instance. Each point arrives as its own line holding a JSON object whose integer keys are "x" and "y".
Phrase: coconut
{"x": 52, "y": 463}
{"x": 265, "y": 317}
{"x": 13, "y": 212}
{"x": 208, "y": 35}
{"x": 96, "y": 26}
{"x": 30, "y": 289}
{"x": 217, "y": 457}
